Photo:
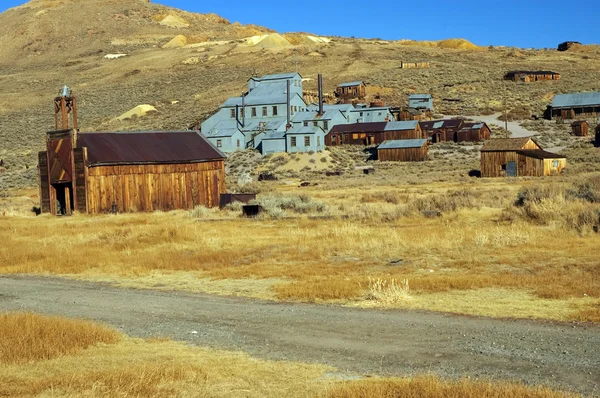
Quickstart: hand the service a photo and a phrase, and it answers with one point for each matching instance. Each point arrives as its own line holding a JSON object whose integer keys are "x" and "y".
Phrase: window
{"x": 264, "y": 111}
{"x": 238, "y": 143}
{"x": 293, "y": 141}
{"x": 253, "y": 112}
{"x": 232, "y": 113}
{"x": 355, "y": 136}
{"x": 325, "y": 124}
{"x": 315, "y": 124}
{"x": 555, "y": 163}
{"x": 274, "y": 111}
{"x": 306, "y": 123}
{"x": 307, "y": 141}
{"x": 361, "y": 114}
{"x": 379, "y": 114}
{"x": 219, "y": 143}
{"x": 318, "y": 141}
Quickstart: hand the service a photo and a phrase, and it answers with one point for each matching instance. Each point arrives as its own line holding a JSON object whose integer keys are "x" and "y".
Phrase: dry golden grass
{"x": 162, "y": 368}
{"x": 451, "y": 262}
{"x": 27, "y": 337}
{"x": 432, "y": 387}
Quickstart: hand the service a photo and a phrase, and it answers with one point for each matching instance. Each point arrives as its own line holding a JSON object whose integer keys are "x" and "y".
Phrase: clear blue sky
{"x": 522, "y": 23}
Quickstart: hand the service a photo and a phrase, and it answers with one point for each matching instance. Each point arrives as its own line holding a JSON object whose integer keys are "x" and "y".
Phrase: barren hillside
{"x": 186, "y": 64}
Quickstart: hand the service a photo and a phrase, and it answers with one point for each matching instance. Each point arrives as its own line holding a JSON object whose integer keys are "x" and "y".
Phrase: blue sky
{"x": 522, "y": 23}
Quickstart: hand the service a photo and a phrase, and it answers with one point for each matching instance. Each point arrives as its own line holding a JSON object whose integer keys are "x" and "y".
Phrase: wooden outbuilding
{"x": 127, "y": 172}
{"x": 441, "y": 130}
{"x": 413, "y": 65}
{"x": 372, "y": 133}
{"x": 403, "y": 150}
{"x": 574, "y": 106}
{"x": 473, "y": 132}
{"x": 528, "y": 76}
{"x": 580, "y": 128}
{"x": 351, "y": 90}
{"x": 518, "y": 157}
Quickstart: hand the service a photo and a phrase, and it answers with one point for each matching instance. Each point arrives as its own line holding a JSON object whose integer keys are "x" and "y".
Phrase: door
{"x": 511, "y": 169}
{"x": 64, "y": 199}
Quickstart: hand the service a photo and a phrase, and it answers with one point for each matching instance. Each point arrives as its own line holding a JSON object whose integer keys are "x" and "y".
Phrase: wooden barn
{"x": 528, "y": 76}
{"x": 574, "y": 106}
{"x": 473, "y": 132}
{"x": 408, "y": 113}
{"x": 414, "y": 150}
{"x": 441, "y": 130}
{"x": 372, "y": 133}
{"x": 351, "y": 90}
{"x": 518, "y": 157}
{"x": 580, "y": 128}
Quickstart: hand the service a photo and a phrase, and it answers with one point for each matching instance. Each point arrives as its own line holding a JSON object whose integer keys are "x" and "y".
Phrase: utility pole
{"x": 505, "y": 114}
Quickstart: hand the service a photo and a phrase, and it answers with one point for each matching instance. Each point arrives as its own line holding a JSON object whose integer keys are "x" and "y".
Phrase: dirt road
{"x": 354, "y": 340}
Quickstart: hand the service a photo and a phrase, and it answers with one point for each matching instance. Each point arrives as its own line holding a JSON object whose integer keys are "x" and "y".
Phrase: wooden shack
{"x": 567, "y": 45}
{"x": 574, "y": 106}
{"x": 126, "y": 172}
{"x": 414, "y": 150}
{"x": 580, "y": 128}
{"x": 408, "y": 113}
{"x": 528, "y": 76}
{"x": 372, "y": 133}
{"x": 441, "y": 130}
{"x": 517, "y": 157}
{"x": 473, "y": 132}
{"x": 351, "y": 90}
{"x": 413, "y": 65}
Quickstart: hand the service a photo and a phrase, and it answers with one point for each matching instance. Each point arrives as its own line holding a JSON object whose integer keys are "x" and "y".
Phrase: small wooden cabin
{"x": 351, "y": 90}
{"x": 372, "y": 133}
{"x": 518, "y": 157}
{"x": 441, "y": 130}
{"x": 413, "y": 65}
{"x": 473, "y": 132}
{"x": 126, "y": 172}
{"x": 403, "y": 150}
{"x": 580, "y": 128}
{"x": 528, "y": 76}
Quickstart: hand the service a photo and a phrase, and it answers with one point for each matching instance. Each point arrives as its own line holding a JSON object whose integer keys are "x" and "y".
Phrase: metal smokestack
{"x": 320, "y": 81}
{"x": 243, "y": 111}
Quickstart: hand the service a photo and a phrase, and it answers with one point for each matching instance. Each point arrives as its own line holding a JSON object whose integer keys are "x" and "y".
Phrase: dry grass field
{"x": 110, "y": 364}
{"x": 524, "y": 248}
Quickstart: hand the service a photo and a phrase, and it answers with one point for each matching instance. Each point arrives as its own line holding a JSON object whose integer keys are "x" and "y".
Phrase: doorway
{"x": 64, "y": 199}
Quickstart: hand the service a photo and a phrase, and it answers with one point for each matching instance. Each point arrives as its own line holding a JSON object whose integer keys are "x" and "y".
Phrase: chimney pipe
{"x": 243, "y": 111}
{"x": 320, "y": 94}
{"x": 288, "y": 106}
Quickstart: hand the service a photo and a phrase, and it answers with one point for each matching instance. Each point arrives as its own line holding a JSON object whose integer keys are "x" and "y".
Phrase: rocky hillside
{"x": 118, "y": 54}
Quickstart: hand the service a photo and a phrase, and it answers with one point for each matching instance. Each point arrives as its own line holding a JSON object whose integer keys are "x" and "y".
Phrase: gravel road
{"x": 356, "y": 341}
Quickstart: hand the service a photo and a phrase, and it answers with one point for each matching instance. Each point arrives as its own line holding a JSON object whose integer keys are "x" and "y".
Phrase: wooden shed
{"x": 441, "y": 130}
{"x": 372, "y": 133}
{"x": 403, "y": 150}
{"x": 580, "y": 128}
{"x": 578, "y": 106}
{"x": 473, "y": 132}
{"x": 517, "y": 157}
{"x": 528, "y": 76}
{"x": 351, "y": 90}
{"x": 126, "y": 172}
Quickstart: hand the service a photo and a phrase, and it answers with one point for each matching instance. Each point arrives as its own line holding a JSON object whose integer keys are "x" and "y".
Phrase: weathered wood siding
{"x": 403, "y": 154}
{"x": 371, "y": 138}
{"x": 359, "y": 91}
{"x": 580, "y": 130}
{"x": 550, "y": 168}
{"x": 492, "y": 162}
{"x": 473, "y": 135}
{"x": 155, "y": 187}
{"x": 44, "y": 182}
{"x": 412, "y": 65}
{"x": 80, "y": 176}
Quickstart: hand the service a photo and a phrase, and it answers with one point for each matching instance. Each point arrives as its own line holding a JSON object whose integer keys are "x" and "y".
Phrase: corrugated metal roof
{"x": 270, "y": 123}
{"x": 420, "y": 96}
{"x": 387, "y": 108}
{"x": 576, "y": 100}
{"x": 373, "y": 127}
{"x": 505, "y": 144}
{"x": 332, "y": 107}
{"x": 540, "y": 154}
{"x": 400, "y": 144}
{"x": 438, "y": 124}
{"x": 404, "y": 125}
{"x": 147, "y": 148}
{"x": 277, "y": 76}
{"x": 278, "y": 135}
{"x": 304, "y": 130}
{"x": 351, "y": 84}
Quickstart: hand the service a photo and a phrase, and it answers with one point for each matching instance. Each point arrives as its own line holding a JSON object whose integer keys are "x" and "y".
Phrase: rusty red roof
{"x": 439, "y": 124}
{"x": 159, "y": 147}
{"x": 371, "y": 127}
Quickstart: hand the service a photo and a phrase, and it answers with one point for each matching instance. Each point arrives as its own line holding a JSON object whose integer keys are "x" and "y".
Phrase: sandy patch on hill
{"x": 455, "y": 44}
{"x": 138, "y": 111}
{"x": 174, "y": 21}
{"x": 176, "y": 42}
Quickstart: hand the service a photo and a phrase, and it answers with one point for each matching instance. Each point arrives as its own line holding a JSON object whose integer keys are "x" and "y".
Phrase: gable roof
{"x": 579, "y": 123}
{"x": 400, "y": 144}
{"x": 438, "y": 124}
{"x": 506, "y": 144}
{"x": 403, "y": 125}
{"x": 277, "y": 76}
{"x": 473, "y": 126}
{"x": 420, "y": 96}
{"x": 540, "y": 154}
{"x": 304, "y": 130}
{"x": 148, "y": 147}
{"x": 576, "y": 99}
{"x": 351, "y": 84}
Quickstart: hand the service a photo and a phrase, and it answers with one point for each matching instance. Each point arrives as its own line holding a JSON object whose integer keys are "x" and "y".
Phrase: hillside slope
{"x": 48, "y": 43}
